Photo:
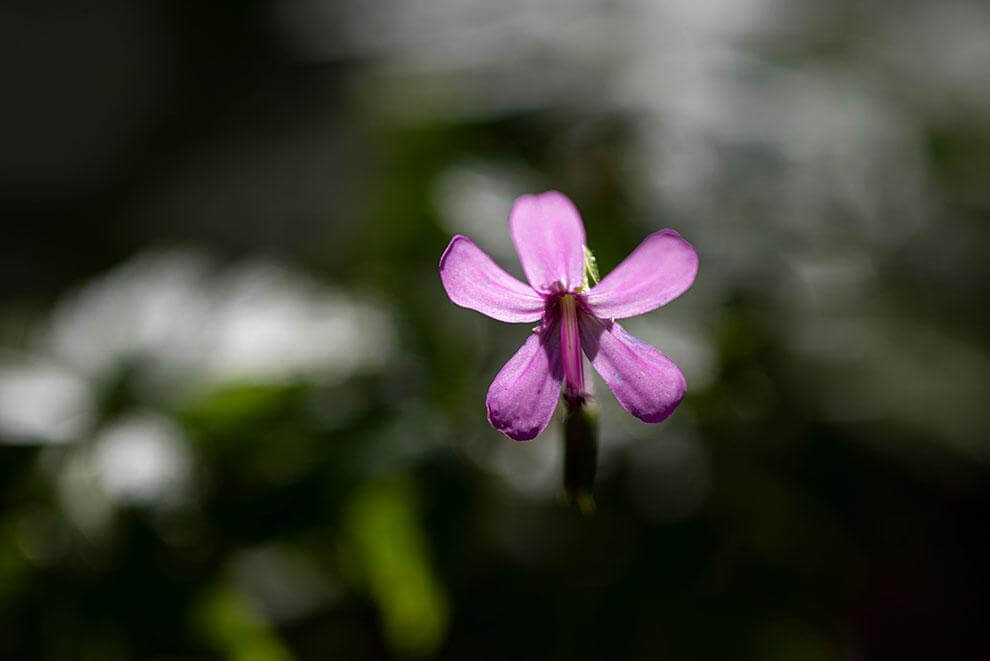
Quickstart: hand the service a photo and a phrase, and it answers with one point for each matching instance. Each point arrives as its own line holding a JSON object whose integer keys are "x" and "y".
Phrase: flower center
{"x": 570, "y": 346}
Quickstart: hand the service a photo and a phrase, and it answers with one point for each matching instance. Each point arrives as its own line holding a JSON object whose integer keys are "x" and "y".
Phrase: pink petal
{"x": 524, "y": 394}
{"x": 647, "y": 383}
{"x": 659, "y": 270}
{"x": 548, "y": 234}
{"x": 474, "y": 281}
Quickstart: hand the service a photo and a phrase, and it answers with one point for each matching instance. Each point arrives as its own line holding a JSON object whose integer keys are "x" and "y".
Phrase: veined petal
{"x": 659, "y": 270}
{"x": 472, "y": 280}
{"x": 548, "y": 234}
{"x": 524, "y": 394}
{"x": 646, "y": 383}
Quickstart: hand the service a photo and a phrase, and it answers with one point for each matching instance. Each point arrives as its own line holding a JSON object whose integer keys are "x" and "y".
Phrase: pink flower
{"x": 549, "y": 238}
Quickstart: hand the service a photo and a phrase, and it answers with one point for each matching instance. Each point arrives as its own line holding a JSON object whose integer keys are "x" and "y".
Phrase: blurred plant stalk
{"x": 580, "y": 451}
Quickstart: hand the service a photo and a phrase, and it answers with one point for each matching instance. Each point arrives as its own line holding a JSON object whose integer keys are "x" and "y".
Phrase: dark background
{"x": 240, "y": 419}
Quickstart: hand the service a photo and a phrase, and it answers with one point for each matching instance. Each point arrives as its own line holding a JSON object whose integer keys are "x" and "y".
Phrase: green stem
{"x": 580, "y": 451}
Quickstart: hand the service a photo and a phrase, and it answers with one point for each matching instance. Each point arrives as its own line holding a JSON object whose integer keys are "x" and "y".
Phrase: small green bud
{"x": 590, "y": 269}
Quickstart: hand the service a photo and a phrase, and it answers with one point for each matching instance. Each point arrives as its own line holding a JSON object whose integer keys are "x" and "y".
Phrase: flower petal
{"x": 647, "y": 383}
{"x": 524, "y": 394}
{"x": 474, "y": 281}
{"x": 548, "y": 234}
{"x": 659, "y": 270}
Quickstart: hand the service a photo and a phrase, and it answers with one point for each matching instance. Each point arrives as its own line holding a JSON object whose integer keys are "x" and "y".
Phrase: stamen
{"x": 570, "y": 346}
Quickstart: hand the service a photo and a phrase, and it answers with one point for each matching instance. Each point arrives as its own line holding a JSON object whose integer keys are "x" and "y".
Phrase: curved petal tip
{"x": 524, "y": 394}
{"x": 473, "y": 280}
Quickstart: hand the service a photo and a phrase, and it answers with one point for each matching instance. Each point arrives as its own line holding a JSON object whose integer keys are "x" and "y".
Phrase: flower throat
{"x": 570, "y": 343}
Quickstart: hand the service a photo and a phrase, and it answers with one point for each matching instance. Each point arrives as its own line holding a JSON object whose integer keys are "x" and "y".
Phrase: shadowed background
{"x": 240, "y": 419}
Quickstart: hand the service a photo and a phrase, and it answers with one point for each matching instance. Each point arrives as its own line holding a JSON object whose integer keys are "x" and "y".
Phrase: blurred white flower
{"x": 43, "y": 403}
{"x": 186, "y": 321}
{"x": 142, "y": 458}
{"x": 182, "y": 323}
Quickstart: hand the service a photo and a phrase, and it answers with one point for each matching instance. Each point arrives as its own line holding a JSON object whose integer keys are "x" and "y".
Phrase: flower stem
{"x": 580, "y": 451}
